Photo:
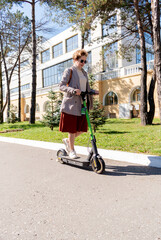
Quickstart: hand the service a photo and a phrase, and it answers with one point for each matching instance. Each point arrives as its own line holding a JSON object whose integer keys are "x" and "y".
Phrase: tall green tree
{"x": 1, "y": 91}
{"x": 155, "y": 7}
{"x": 32, "y": 3}
{"x": 34, "y": 75}
{"x": 23, "y": 28}
{"x": 8, "y": 47}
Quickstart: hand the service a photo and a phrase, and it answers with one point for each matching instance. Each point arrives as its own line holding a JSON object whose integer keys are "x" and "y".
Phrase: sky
{"x": 41, "y": 14}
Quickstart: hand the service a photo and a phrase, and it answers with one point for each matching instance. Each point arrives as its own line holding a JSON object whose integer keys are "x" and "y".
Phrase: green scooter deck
{"x": 76, "y": 161}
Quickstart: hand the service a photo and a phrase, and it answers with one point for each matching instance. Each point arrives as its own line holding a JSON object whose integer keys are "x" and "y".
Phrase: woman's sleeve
{"x": 65, "y": 79}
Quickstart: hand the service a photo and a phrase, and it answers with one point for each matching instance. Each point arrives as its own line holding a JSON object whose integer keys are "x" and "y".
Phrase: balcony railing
{"x": 132, "y": 69}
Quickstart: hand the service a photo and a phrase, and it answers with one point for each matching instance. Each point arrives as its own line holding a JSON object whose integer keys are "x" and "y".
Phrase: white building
{"x": 56, "y": 55}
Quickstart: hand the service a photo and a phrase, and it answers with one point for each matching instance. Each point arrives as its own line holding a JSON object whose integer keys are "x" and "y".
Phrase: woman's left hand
{"x": 96, "y": 92}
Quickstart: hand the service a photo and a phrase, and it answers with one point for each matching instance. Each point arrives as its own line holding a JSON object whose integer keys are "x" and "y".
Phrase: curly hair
{"x": 79, "y": 53}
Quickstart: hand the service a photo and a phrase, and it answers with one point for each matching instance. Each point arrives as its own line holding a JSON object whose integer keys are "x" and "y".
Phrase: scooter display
{"x": 93, "y": 159}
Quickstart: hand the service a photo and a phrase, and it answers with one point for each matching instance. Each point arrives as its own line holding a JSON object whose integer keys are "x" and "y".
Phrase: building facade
{"x": 118, "y": 80}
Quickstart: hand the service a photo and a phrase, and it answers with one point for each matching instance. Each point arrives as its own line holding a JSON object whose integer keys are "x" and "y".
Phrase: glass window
{"x": 27, "y": 108}
{"x": 149, "y": 55}
{"x": 72, "y": 43}
{"x": 136, "y": 95}
{"x": 46, "y": 106}
{"x": 88, "y": 66}
{"x": 110, "y": 26}
{"x": 45, "y": 56}
{"x": 23, "y": 87}
{"x": 57, "y": 50}
{"x": 111, "y": 99}
{"x": 3, "y": 90}
{"x": 110, "y": 57}
{"x": 25, "y": 63}
{"x": 53, "y": 74}
{"x": 37, "y": 107}
{"x": 87, "y": 37}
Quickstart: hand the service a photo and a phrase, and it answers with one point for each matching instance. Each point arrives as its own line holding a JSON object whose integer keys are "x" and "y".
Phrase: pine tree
{"x": 97, "y": 114}
{"x": 52, "y": 116}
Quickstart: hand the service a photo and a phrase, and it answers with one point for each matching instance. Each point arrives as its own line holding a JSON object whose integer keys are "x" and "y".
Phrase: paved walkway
{"x": 142, "y": 159}
{"x": 41, "y": 199}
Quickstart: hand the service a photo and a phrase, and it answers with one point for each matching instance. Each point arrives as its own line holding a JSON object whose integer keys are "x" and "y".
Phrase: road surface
{"x": 41, "y": 199}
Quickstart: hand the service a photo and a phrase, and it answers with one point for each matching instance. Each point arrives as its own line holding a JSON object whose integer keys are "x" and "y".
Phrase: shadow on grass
{"x": 112, "y": 132}
{"x": 22, "y": 126}
{"x": 128, "y": 121}
{"x": 132, "y": 170}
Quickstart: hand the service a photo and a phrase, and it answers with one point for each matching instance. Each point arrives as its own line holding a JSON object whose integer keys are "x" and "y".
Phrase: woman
{"x": 74, "y": 81}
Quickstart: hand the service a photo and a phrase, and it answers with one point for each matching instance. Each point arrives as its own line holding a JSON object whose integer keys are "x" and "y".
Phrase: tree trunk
{"x": 157, "y": 47}
{"x": 19, "y": 90}
{"x": 151, "y": 99}
{"x": 1, "y": 91}
{"x": 143, "y": 110}
{"x": 33, "y": 97}
{"x": 82, "y": 40}
{"x": 8, "y": 101}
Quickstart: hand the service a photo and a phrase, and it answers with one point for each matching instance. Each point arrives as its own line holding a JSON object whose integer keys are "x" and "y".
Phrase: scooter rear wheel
{"x": 61, "y": 152}
{"x": 100, "y": 166}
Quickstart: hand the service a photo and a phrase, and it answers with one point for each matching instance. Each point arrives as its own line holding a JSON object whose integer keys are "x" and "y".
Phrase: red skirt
{"x": 72, "y": 124}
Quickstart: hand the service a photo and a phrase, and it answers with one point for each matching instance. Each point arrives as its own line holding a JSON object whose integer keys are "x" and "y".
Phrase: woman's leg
{"x": 71, "y": 137}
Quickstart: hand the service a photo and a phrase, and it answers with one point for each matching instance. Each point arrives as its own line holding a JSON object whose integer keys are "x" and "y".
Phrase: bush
{"x": 52, "y": 116}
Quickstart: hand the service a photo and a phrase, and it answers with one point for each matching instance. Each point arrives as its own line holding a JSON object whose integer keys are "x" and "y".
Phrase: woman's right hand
{"x": 77, "y": 91}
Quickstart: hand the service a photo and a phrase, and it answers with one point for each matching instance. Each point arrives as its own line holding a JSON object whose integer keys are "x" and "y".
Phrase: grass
{"x": 116, "y": 134}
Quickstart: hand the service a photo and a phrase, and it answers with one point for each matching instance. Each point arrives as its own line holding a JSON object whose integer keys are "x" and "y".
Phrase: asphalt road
{"x": 41, "y": 199}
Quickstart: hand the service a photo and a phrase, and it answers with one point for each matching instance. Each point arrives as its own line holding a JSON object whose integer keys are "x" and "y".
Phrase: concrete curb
{"x": 142, "y": 159}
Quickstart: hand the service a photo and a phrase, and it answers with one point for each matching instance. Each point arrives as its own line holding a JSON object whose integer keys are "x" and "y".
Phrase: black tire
{"x": 61, "y": 152}
{"x": 100, "y": 166}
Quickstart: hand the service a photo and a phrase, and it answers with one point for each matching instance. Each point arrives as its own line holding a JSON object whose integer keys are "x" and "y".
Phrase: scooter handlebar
{"x": 92, "y": 92}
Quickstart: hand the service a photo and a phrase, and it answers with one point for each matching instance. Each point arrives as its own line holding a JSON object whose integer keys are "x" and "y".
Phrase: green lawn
{"x": 116, "y": 134}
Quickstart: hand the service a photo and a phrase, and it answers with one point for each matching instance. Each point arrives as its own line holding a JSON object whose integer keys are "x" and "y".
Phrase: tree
{"x": 34, "y": 52}
{"x": 22, "y": 28}
{"x": 52, "y": 116}
{"x": 144, "y": 117}
{"x": 33, "y": 97}
{"x": 8, "y": 47}
{"x": 1, "y": 91}
{"x": 97, "y": 113}
{"x": 157, "y": 46}
{"x": 131, "y": 25}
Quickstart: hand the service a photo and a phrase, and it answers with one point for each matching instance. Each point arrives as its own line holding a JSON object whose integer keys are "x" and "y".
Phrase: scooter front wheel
{"x": 60, "y": 153}
{"x": 100, "y": 165}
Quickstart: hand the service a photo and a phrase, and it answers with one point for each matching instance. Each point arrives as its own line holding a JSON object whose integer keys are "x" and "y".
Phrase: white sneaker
{"x": 72, "y": 154}
{"x": 66, "y": 143}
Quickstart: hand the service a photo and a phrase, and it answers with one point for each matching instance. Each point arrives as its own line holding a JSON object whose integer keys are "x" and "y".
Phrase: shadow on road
{"x": 131, "y": 170}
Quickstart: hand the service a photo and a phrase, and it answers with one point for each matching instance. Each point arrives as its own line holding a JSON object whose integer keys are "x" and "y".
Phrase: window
{"x": 87, "y": 37}
{"x": 110, "y": 57}
{"x": 3, "y": 90}
{"x": 136, "y": 95}
{"x": 25, "y": 63}
{"x": 45, "y": 56}
{"x": 23, "y": 87}
{"x": 37, "y": 107}
{"x": 110, "y": 26}
{"x": 27, "y": 108}
{"x": 149, "y": 55}
{"x": 53, "y": 75}
{"x": 57, "y": 50}
{"x": 88, "y": 66}
{"x": 72, "y": 43}
{"x": 111, "y": 99}
{"x": 46, "y": 106}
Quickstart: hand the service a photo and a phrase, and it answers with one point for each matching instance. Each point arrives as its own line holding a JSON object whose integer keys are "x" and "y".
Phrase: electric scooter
{"x": 93, "y": 159}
